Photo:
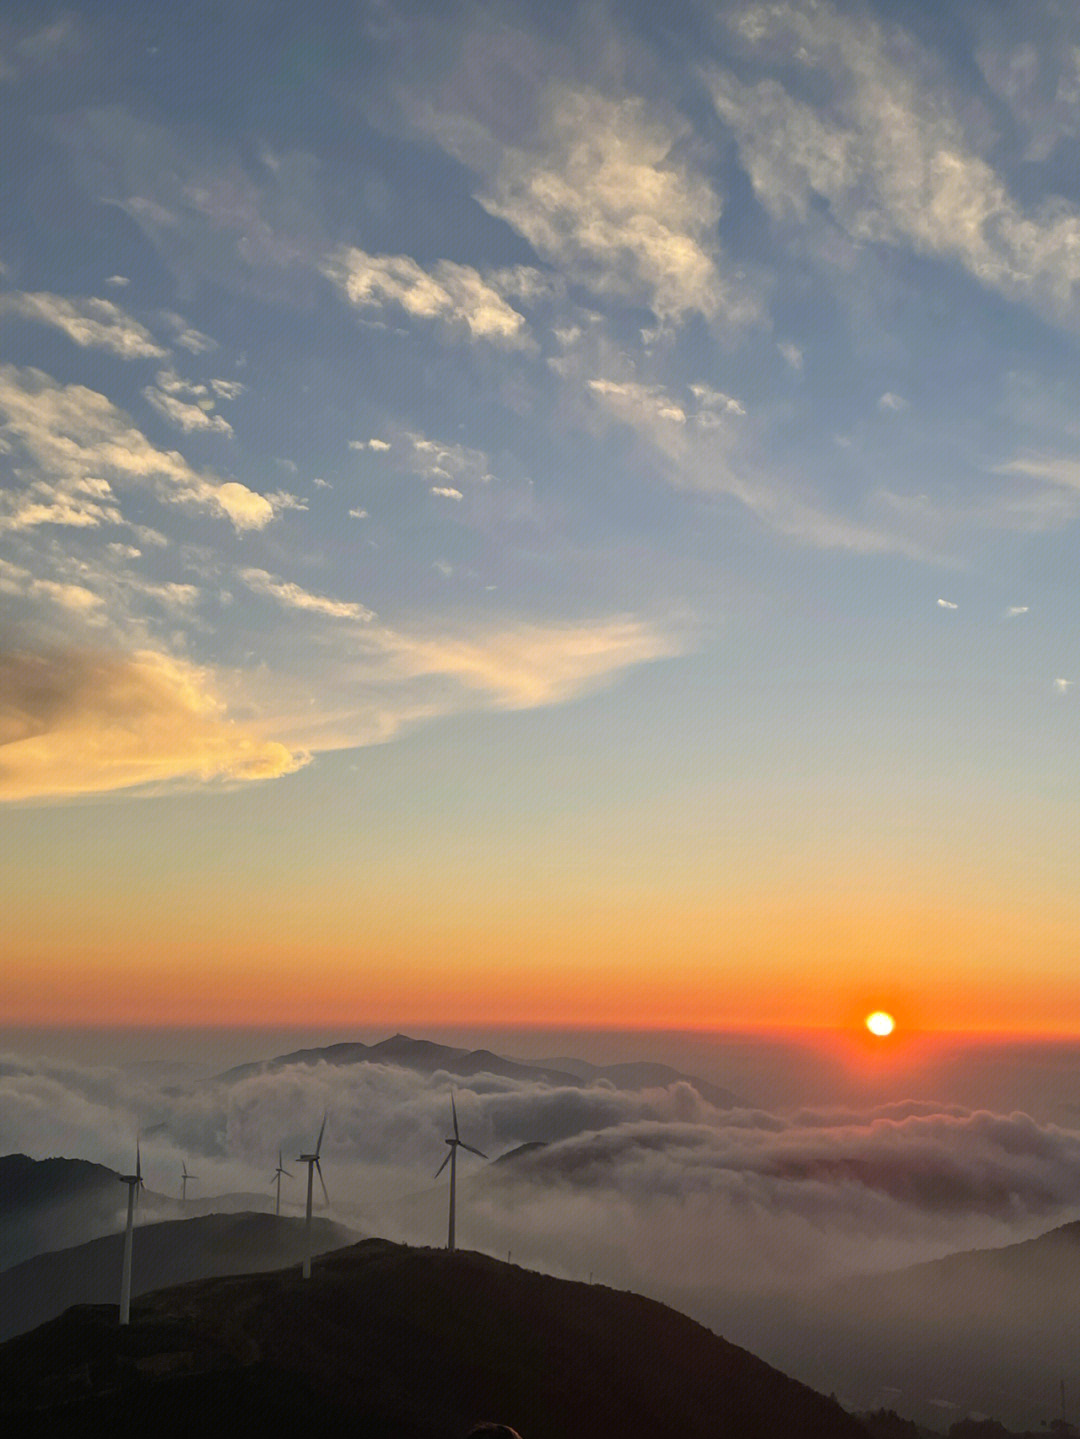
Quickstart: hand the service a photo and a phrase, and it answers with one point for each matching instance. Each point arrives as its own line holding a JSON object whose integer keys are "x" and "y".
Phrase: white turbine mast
{"x": 312, "y": 1162}
{"x": 455, "y": 1144}
{"x": 278, "y": 1172}
{"x": 184, "y": 1177}
{"x": 134, "y": 1183}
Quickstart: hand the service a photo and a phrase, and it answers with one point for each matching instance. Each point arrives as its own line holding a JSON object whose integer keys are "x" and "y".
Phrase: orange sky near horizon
{"x": 632, "y": 962}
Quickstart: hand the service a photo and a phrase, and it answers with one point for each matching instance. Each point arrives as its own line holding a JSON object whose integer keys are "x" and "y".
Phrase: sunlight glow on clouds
{"x": 77, "y": 722}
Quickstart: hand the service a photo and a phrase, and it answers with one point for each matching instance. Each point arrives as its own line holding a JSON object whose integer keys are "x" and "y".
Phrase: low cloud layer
{"x": 655, "y": 1189}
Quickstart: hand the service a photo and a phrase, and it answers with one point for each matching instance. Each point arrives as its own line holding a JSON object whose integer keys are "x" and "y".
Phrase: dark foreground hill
{"x": 166, "y": 1253}
{"x": 385, "y": 1342}
{"x": 986, "y": 1332}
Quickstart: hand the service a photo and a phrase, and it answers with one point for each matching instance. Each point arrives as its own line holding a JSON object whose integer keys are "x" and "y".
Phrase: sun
{"x": 880, "y": 1023}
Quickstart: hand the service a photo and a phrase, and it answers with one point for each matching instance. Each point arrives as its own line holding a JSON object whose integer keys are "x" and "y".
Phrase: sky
{"x": 525, "y": 515}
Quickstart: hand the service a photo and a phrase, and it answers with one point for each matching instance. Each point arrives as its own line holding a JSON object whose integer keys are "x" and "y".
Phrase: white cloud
{"x": 82, "y": 502}
{"x": 602, "y": 189}
{"x": 1063, "y": 686}
{"x": 791, "y": 354}
{"x": 444, "y": 464}
{"x": 627, "y": 398}
{"x": 228, "y": 389}
{"x": 1060, "y": 470}
{"x": 293, "y": 596}
{"x": 891, "y": 403}
{"x": 321, "y": 484}
{"x": 947, "y": 605}
{"x": 118, "y": 282}
{"x": 378, "y": 445}
{"x": 184, "y": 416}
{"x": 447, "y": 492}
{"x": 358, "y": 514}
{"x": 186, "y": 335}
{"x": 457, "y": 295}
{"x": 889, "y": 147}
{"x": 716, "y": 401}
{"x": 90, "y": 323}
{"x": 77, "y": 434}
{"x": 1015, "y": 610}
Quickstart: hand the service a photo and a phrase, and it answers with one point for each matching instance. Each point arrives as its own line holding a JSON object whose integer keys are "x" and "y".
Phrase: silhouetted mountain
{"x": 50, "y": 1204}
{"x": 986, "y": 1332}
{"x": 426, "y": 1057}
{"x": 162, "y": 1254}
{"x": 416, "y": 1344}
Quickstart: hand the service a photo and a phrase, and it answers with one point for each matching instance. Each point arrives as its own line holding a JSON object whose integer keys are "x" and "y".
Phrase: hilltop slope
{"x": 166, "y": 1253}
{"x": 413, "y": 1343}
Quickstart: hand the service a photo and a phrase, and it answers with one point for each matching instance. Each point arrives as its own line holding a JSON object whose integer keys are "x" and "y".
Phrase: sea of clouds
{"x": 656, "y": 1190}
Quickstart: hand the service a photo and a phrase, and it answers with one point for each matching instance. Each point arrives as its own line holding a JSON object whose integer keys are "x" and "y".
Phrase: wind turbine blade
{"x": 138, "y": 1162}
{"x": 453, "y": 1110}
{"x": 183, "y": 1170}
{"x": 279, "y": 1161}
{"x": 471, "y": 1150}
{"x": 322, "y": 1181}
{"x": 322, "y": 1130}
{"x": 287, "y": 1174}
{"x": 443, "y": 1165}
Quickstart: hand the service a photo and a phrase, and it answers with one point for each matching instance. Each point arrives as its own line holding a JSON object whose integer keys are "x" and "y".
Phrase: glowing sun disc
{"x": 880, "y": 1023}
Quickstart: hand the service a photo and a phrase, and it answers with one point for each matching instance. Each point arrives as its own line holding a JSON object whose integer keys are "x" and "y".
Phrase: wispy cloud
{"x": 185, "y": 416}
{"x": 946, "y": 605}
{"x": 90, "y": 323}
{"x": 459, "y": 296}
{"x": 602, "y": 188}
{"x": 77, "y": 433}
{"x": 295, "y": 597}
{"x": 888, "y": 148}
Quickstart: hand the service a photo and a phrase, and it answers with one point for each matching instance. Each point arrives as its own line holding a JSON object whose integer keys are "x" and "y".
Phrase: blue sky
{"x": 601, "y": 432}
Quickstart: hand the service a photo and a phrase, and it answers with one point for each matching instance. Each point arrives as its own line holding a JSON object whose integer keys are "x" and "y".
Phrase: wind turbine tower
{"x": 455, "y": 1144}
{"x": 183, "y": 1182}
{"x": 278, "y": 1172}
{"x": 312, "y": 1162}
{"x": 134, "y": 1183}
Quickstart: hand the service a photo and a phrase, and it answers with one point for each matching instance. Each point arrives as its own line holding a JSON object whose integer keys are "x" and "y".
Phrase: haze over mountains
{"x": 418, "y": 1344}
{"x": 991, "y": 1332}
{"x": 57, "y": 1202}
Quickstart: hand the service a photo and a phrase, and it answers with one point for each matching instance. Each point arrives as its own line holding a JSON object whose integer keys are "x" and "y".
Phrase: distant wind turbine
{"x": 134, "y": 1183}
{"x": 455, "y": 1144}
{"x": 278, "y": 1172}
{"x": 312, "y": 1162}
{"x": 183, "y": 1182}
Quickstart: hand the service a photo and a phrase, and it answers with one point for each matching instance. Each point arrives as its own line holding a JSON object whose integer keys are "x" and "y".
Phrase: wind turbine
{"x": 134, "y": 1183}
{"x": 183, "y": 1182}
{"x": 455, "y": 1144}
{"x": 278, "y": 1172}
{"x": 312, "y": 1162}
